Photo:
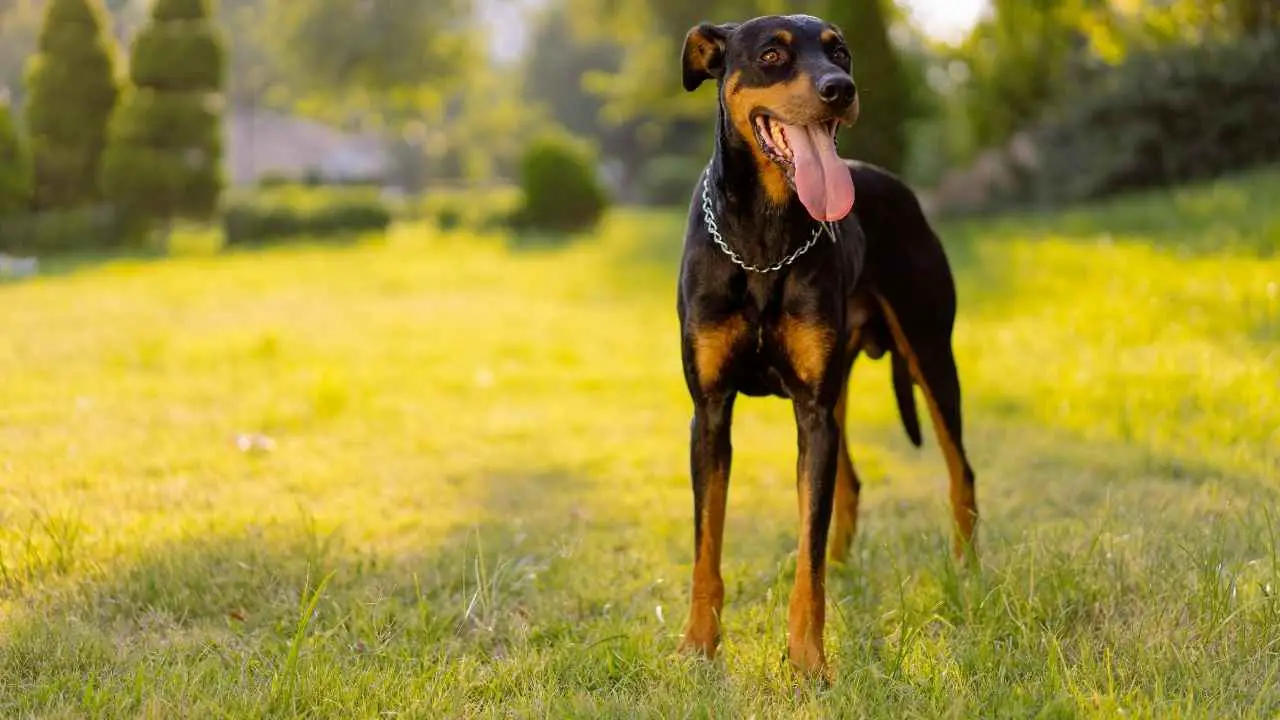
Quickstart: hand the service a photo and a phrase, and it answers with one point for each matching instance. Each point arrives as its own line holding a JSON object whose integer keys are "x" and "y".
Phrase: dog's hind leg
{"x": 933, "y": 367}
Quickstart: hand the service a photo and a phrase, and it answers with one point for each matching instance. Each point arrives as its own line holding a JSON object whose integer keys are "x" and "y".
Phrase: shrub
{"x": 72, "y": 91}
{"x": 669, "y": 181}
{"x": 273, "y": 216}
{"x": 490, "y": 208}
{"x": 15, "y": 167}
{"x": 58, "y": 231}
{"x": 164, "y": 160}
{"x": 449, "y": 217}
{"x": 561, "y": 190}
{"x": 1164, "y": 117}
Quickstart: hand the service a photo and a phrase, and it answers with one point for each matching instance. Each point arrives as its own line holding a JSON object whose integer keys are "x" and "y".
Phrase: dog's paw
{"x": 701, "y": 640}
{"x": 810, "y": 661}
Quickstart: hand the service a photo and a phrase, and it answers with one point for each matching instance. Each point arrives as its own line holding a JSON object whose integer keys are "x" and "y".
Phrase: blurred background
{"x": 123, "y": 116}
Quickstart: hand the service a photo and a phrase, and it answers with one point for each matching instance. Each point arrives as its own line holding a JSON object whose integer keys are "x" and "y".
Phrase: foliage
{"x": 178, "y": 55}
{"x": 79, "y": 229}
{"x": 555, "y": 73}
{"x": 15, "y": 167}
{"x": 1164, "y": 117}
{"x": 288, "y": 212}
{"x": 669, "y": 181}
{"x": 20, "y": 24}
{"x": 1015, "y": 60}
{"x": 1027, "y": 54}
{"x": 561, "y": 189}
{"x": 479, "y": 209}
{"x": 490, "y": 124}
{"x": 72, "y": 91}
{"x": 379, "y": 45}
{"x": 880, "y": 136}
{"x": 165, "y": 157}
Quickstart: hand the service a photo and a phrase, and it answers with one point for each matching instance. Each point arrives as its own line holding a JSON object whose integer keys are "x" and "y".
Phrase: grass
{"x": 435, "y": 477}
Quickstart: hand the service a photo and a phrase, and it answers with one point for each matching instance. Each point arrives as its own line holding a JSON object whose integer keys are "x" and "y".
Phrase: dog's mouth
{"x": 807, "y": 155}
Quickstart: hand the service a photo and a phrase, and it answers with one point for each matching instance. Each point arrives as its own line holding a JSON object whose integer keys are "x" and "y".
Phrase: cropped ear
{"x": 704, "y": 53}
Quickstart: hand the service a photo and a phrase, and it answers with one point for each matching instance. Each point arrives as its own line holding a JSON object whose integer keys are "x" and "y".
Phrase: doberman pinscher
{"x": 783, "y": 283}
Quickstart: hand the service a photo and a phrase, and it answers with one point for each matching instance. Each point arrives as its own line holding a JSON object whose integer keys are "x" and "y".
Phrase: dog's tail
{"x": 904, "y": 390}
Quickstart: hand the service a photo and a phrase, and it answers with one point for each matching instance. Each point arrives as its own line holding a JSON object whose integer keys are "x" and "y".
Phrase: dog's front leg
{"x": 818, "y": 435}
{"x": 710, "y": 455}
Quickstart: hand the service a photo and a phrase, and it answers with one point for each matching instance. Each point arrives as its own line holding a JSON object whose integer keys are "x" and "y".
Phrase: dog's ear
{"x": 704, "y": 53}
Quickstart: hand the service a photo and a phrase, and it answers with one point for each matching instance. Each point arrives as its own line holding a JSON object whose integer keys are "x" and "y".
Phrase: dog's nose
{"x": 837, "y": 91}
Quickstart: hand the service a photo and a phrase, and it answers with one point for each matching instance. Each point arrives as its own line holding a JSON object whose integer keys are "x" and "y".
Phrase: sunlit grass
{"x": 483, "y": 451}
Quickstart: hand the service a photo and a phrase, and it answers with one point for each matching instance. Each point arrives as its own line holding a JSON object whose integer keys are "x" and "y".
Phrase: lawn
{"x": 434, "y": 476}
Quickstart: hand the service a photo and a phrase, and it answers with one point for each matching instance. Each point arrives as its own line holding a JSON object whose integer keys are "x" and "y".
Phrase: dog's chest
{"x": 761, "y": 364}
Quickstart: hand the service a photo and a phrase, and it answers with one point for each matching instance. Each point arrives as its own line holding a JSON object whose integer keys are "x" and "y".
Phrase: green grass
{"x": 476, "y": 503}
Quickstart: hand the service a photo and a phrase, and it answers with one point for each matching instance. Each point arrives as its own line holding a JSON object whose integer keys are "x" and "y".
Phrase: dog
{"x": 785, "y": 279}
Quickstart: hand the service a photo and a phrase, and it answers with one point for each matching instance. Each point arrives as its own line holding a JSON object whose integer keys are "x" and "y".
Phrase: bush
{"x": 449, "y": 217}
{"x": 72, "y": 90}
{"x": 15, "y": 167}
{"x": 1165, "y": 117}
{"x": 561, "y": 190}
{"x": 273, "y": 216}
{"x": 164, "y": 160}
{"x": 669, "y": 181}
{"x": 182, "y": 58}
{"x": 490, "y": 208}
{"x": 59, "y": 231}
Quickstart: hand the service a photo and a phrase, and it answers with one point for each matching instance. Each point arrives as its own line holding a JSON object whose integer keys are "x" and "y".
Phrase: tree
{"x": 19, "y": 31}
{"x": 651, "y": 32}
{"x": 554, "y": 71}
{"x": 72, "y": 91}
{"x": 372, "y": 45}
{"x": 880, "y": 137}
{"x": 165, "y": 156}
{"x": 15, "y": 167}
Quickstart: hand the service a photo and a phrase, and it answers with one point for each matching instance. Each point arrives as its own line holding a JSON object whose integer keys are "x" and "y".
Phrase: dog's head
{"x": 785, "y": 88}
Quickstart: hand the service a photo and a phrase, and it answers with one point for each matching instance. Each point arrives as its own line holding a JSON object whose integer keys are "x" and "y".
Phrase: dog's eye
{"x": 772, "y": 56}
{"x": 840, "y": 55}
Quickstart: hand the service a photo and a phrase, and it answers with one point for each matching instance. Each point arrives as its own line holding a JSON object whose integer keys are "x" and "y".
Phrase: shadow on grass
{"x": 538, "y": 608}
{"x": 74, "y": 263}
{"x": 284, "y": 619}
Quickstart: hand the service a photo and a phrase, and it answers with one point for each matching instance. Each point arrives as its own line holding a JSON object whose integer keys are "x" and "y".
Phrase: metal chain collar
{"x": 708, "y": 213}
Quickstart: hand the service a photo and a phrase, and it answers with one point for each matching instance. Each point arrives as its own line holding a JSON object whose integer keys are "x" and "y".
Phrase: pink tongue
{"x": 822, "y": 179}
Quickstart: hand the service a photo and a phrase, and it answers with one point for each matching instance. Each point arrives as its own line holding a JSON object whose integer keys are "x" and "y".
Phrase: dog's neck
{"x": 753, "y": 224}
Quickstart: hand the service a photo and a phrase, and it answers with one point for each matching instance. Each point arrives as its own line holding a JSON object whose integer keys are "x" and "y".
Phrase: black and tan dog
{"x": 783, "y": 283}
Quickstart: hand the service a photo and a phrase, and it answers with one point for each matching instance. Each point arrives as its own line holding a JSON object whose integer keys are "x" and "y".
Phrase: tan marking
{"x": 702, "y": 633}
{"x": 845, "y": 508}
{"x": 700, "y": 50}
{"x": 806, "y": 615}
{"x": 712, "y": 347}
{"x": 964, "y": 508}
{"x": 795, "y": 102}
{"x": 785, "y": 37}
{"x": 829, "y": 36}
{"x": 808, "y": 346}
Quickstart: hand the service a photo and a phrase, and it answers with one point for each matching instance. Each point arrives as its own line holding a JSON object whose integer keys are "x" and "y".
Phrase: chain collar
{"x": 709, "y": 215}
